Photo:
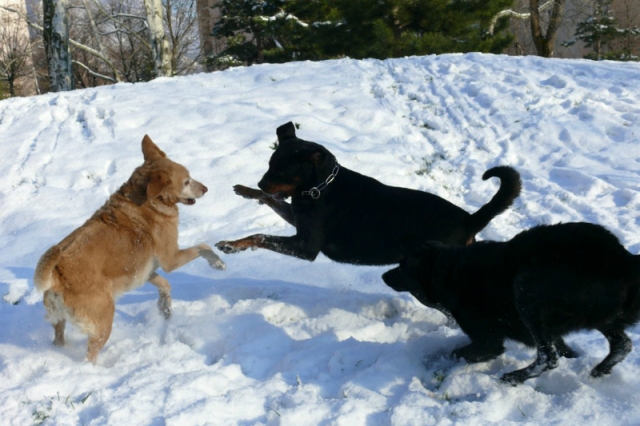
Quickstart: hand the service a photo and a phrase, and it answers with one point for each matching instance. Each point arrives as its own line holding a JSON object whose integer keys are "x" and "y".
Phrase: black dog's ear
{"x": 314, "y": 153}
{"x": 286, "y": 131}
{"x": 318, "y": 157}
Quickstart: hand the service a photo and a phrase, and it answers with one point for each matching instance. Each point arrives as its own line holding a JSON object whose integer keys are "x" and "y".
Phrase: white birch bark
{"x": 158, "y": 38}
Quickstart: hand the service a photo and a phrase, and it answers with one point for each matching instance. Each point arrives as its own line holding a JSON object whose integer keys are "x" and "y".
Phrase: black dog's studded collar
{"x": 316, "y": 191}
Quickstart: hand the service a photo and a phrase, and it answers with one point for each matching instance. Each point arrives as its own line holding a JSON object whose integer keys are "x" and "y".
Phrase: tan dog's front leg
{"x": 214, "y": 261}
{"x": 182, "y": 257}
{"x": 164, "y": 293}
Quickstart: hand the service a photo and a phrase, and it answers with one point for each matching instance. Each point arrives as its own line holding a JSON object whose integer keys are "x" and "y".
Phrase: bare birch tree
{"x": 56, "y": 44}
{"x": 159, "y": 42}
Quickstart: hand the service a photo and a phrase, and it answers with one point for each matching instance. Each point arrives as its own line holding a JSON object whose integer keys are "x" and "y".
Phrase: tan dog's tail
{"x": 43, "y": 277}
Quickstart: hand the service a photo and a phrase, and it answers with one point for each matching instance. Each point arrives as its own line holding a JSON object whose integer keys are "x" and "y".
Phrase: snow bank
{"x": 277, "y": 340}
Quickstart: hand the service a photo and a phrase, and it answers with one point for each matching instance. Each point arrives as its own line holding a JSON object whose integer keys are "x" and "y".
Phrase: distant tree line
{"x": 280, "y": 31}
{"x": 85, "y": 43}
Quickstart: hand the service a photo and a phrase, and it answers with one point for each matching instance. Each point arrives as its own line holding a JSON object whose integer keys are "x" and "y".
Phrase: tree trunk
{"x": 56, "y": 43}
{"x": 545, "y": 44}
{"x": 205, "y": 26}
{"x": 158, "y": 38}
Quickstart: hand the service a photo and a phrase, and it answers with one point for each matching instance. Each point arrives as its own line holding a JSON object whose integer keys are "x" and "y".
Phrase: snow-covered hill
{"x": 277, "y": 340}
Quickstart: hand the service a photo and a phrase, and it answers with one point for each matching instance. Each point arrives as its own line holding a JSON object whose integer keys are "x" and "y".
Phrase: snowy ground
{"x": 276, "y": 340}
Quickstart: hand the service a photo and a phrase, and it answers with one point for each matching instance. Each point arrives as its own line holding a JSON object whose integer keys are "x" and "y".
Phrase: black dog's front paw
{"x": 253, "y": 242}
{"x": 596, "y": 373}
{"x": 226, "y": 247}
{"x": 248, "y": 193}
{"x": 514, "y": 378}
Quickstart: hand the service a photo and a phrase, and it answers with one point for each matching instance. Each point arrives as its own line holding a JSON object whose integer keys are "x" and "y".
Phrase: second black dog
{"x": 354, "y": 218}
{"x": 544, "y": 283}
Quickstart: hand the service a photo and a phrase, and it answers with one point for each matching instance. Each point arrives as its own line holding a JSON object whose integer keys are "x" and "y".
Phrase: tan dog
{"x": 119, "y": 248}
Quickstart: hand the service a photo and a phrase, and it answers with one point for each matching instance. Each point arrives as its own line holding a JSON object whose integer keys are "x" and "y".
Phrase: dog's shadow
{"x": 307, "y": 334}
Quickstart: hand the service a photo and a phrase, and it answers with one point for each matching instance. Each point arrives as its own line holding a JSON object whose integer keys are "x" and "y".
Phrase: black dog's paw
{"x": 513, "y": 378}
{"x": 597, "y": 373}
{"x": 228, "y": 247}
{"x": 248, "y": 193}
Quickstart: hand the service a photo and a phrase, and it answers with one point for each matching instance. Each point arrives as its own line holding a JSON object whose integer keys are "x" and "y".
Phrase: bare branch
{"x": 516, "y": 15}
{"x": 95, "y": 74}
{"x": 71, "y": 41}
{"x": 94, "y": 29}
{"x": 112, "y": 18}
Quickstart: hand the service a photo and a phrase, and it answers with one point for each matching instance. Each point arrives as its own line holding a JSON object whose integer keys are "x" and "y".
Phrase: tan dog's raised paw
{"x": 214, "y": 260}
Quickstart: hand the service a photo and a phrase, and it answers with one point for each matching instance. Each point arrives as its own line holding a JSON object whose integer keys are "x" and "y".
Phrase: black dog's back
{"x": 583, "y": 274}
{"x": 378, "y": 224}
{"x": 544, "y": 283}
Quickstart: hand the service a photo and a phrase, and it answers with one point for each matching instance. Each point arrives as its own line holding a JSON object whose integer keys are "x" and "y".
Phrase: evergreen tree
{"x": 393, "y": 28}
{"x": 256, "y": 31}
{"x": 598, "y": 30}
{"x": 284, "y": 30}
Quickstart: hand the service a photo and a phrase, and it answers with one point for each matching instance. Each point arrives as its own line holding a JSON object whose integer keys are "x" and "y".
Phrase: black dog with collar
{"x": 353, "y": 218}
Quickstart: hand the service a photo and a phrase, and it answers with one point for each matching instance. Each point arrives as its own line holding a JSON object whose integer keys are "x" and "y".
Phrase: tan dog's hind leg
{"x": 56, "y": 315}
{"x": 58, "y": 329}
{"x": 100, "y": 329}
{"x": 164, "y": 296}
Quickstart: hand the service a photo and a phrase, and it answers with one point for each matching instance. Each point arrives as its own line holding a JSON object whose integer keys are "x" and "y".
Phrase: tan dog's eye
{"x": 186, "y": 183}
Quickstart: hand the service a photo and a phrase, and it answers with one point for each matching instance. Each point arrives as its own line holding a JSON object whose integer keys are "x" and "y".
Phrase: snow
{"x": 277, "y": 340}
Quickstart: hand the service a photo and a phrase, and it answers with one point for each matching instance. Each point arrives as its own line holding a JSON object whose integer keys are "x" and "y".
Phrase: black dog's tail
{"x": 510, "y": 186}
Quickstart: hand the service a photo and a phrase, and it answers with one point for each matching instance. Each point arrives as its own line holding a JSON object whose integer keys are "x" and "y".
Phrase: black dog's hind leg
{"x": 619, "y": 347}
{"x": 546, "y": 359}
{"x": 532, "y": 310}
{"x": 282, "y": 208}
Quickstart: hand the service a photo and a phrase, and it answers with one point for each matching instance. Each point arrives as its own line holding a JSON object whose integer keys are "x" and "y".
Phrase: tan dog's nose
{"x": 204, "y": 189}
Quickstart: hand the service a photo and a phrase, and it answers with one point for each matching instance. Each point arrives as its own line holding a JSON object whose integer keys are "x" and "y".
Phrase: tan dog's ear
{"x": 158, "y": 181}
{"x": 150, "y": 150}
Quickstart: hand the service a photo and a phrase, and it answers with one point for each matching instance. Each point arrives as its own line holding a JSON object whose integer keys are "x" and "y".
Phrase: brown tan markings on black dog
{"x": 119, "y": 248}
{"x": 543, "y": 284}
{"x": 354, "y": 218}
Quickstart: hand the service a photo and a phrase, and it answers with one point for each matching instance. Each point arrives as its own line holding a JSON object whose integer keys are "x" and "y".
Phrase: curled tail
{"x": 510, "y": 186}
{"x": 43, "y": 277}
